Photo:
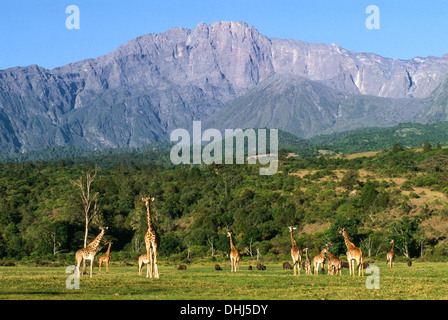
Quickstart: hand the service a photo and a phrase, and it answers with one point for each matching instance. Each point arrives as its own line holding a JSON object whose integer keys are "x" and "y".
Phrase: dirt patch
{"x": 314, "y": 227}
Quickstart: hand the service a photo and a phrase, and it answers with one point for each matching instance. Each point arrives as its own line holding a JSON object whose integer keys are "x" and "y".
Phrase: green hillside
{"x": 400, "y": 194}
{"x": 408, "y": 135}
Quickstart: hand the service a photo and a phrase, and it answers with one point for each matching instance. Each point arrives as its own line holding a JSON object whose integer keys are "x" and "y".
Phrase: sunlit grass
{"x": 198, "y": 282}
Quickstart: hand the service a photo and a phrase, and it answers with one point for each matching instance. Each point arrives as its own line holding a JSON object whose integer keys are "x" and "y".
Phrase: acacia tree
{"x": 405, "y": 232}
{"x": 87, "y": 199}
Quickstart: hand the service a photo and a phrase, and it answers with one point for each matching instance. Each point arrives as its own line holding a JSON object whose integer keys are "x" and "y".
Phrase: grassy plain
{"x": 428, "y": 281}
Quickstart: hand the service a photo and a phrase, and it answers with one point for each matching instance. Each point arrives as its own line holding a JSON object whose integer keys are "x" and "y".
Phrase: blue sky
{"x": 34, "y": 32}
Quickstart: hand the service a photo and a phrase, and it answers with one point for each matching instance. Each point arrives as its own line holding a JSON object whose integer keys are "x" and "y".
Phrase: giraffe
{"x": 151, "y": 243}
{"x": 334, "y": 263}
{"x": 105, "y": 258}
{"x": 391, "y": 255}
{"x": 296, "y": 252}
{"x": 234, "y": 255}
{"x": 89, "y": 252}
{"x": 143, "y": 259}
{"x": 353, "y": 254}
{"x": 307, "y": 263}
{"x": 319, "y": 260}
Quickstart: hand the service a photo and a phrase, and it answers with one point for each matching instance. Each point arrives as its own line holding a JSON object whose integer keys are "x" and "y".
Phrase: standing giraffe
{"x": 151, "y": 243}
{"x": 391, "y": 255}
{"x": 89, "y": 252}
{"x": 234, "y": 255}
{"x": 353, "y": 254}
{"x": 296, "y": 253}
{"x": 307, "y": 263}
{"x": 143, "y": 259}
{"x": 334, "y": 263}
{"x": 105, "y": 258}
{"x": 319, "y": 260}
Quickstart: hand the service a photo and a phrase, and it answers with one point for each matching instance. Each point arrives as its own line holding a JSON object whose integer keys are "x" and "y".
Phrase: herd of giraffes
{"x": 150, "y": 258}
{"x": 354, "y": 254}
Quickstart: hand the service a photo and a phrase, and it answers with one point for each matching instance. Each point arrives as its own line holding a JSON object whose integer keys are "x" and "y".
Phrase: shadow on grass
{"x": 25, "y": 293}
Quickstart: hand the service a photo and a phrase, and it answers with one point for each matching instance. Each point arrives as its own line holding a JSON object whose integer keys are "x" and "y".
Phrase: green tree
{"x": 397, "y": 148}
{"x": 350, "y": 179}
{"x": 368, "y": 195}
{"x": 405, "y": 232}
{"x": 427, "y": 147}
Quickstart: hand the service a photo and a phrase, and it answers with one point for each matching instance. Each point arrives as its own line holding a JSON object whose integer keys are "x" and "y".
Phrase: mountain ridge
{"x": 156, "y": 83}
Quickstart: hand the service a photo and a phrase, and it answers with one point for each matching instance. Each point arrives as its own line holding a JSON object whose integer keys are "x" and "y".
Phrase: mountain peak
{"x": 155, "y": 83}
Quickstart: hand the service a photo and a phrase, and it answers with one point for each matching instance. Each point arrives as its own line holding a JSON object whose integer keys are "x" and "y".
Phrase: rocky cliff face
{"x": 153, "y": 84}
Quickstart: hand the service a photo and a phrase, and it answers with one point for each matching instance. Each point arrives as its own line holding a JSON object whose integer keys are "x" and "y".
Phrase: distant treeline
{"x": 408, "y": 135}
{"x": 41, "y": 213}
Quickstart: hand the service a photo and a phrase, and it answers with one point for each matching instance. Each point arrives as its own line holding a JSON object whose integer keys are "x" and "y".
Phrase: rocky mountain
{"x": 227, "y": 74}
{"x": 307, "y": 108}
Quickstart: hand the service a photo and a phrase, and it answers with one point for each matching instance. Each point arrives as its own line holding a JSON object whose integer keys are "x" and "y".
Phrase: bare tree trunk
{"x": 212, "y": 247}
{"x": 87, "y": 200}
{"x": 406, "y": 251}
{"x": 250, "y": 248}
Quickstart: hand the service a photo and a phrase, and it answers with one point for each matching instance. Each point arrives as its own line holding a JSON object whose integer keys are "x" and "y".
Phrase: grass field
{"x": 428, "y": 281}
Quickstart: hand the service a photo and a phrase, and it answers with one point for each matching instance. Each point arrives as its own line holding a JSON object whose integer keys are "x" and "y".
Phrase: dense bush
{"x": 41, "y": 215}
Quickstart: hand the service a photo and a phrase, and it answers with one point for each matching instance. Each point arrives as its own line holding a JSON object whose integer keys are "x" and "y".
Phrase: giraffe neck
{"x": 292, "y": 240}
{"x": 96, "y": 242}
{"x": 231, "y": 244}
{"x": 393, "y": 246}
{"x": 348, "y": 243}
{"x": 150, "y": 228}
{"x": 328, "y": 252}
{"x": 108, "y": 249}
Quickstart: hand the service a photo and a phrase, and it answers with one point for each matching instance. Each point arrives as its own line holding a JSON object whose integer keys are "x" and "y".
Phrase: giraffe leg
{"x": 99, "y": 266}
{"x": 78, "y": 264}
{"x": 107, "y": 265}
{"x": 294, "y": 266}
{"x": 150, "y": 262}
{"x": 91, "y": 268}
{"x": 156, "y": 269}
{"x": 353, "y": 266}
{"x": 362, "y": 266}
{"x": 77, "y": 270}
{"x": 148, "y": 254}
{"x": 149, "y": 268}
